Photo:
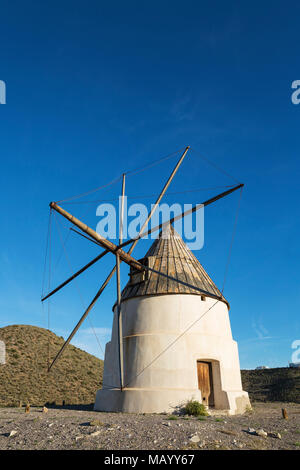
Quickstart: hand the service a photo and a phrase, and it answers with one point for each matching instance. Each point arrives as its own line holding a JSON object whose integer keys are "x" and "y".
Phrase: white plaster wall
{"x": 161, "y": 351}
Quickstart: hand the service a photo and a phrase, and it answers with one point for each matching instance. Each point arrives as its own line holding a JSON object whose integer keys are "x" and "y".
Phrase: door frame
{"x": 211, "y": 399}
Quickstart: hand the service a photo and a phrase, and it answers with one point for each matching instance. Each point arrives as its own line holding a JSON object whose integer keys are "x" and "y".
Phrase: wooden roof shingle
{"x": 170, "y": 255}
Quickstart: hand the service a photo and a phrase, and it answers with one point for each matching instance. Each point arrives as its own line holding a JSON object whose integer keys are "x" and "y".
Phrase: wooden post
{"x": 119, "y": 312}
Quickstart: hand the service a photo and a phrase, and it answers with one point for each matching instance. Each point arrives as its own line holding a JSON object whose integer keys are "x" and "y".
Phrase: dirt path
{"x": 73, "y": 429}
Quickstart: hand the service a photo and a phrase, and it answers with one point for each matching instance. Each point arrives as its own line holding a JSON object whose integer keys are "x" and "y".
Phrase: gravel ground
{"x": 84, "y": 429}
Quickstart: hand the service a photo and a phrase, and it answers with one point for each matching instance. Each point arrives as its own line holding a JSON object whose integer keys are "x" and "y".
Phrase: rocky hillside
{"x": 24, "y": 378}
{"x": 280, "y": 384}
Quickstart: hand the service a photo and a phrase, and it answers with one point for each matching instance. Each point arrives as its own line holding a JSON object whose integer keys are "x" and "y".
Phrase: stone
{"x": 13, "y": 433}
{"x": 251, "y": 431}
{"x": 261, "y": 433}
{"x": 45, "y": 409}
{"x": 276, "y": 435}
{"x": 96, "y": 422}
{"x": 195, "y": 438}
{"x": 78, "y": 438}
{"x": 96, "y": 433}
{"x": 166, "y": 424}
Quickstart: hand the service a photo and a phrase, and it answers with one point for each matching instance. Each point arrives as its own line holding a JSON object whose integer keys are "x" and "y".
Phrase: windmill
{"x": 171, "y": 337}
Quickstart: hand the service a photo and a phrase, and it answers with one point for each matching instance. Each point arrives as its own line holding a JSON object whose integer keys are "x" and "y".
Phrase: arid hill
{"x": 77, "y": 375}
{"x": 24, "y": 378}
{"x": 280, "y": 384}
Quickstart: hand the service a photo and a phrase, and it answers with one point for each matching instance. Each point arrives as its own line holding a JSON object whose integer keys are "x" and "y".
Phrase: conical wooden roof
{"x": 170, "y": 255}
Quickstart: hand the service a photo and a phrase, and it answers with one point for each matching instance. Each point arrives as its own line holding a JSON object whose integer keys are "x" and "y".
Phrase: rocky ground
{"x": 83, "y": 429}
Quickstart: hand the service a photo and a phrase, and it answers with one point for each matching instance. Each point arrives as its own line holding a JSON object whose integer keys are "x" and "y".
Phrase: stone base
{"x": 238, "y": 402}
{"x": 160, "y": 400}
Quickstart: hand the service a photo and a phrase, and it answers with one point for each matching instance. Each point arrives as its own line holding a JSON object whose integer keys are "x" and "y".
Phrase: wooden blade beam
{"x": 63, "y": 284}
{"x": 120, "y": 258}
{"x": 107, "y": 244}
{"x": 184, "y": 214}
{"x": 143, "y": 234}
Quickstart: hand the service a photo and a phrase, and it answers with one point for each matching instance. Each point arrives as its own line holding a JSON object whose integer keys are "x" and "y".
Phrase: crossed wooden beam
{"x": 122, "y": 255}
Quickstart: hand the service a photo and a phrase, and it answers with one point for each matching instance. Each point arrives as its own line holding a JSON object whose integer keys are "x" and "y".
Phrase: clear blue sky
{"x": 95, "y": 88}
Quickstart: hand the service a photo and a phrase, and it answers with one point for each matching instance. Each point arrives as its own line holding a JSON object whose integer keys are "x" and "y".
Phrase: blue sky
{"x": 95, "y": 89}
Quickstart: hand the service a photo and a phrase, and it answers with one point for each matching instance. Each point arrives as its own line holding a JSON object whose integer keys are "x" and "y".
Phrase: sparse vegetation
{"x": 172, "y": 418}
{"x": 278, "y": 384}
{"x": 249, "y": 409}
{"x": 24, "y": 378}
{"x": 194, "y": 408}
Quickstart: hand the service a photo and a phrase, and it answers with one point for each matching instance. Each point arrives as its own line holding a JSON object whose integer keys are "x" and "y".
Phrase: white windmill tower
{"x": 177, "y": 342}
{"x": 171, "y": 338}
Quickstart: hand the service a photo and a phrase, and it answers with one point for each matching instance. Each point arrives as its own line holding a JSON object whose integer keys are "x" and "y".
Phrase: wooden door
{"x": 205, "y": 381}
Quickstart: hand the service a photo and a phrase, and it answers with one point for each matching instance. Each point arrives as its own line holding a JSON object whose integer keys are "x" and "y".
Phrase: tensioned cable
{"x": 92, "y": 190}
{"x": 130, "y": 172}
{"x": 232, "y": 238}
{"x": 46, "y": 252}
{"x": 61, "y": 253}
{"x": 217, "y": 167}
{"x": 49, "y": 280}
{"x": 144, "y": 168}
{"x": 166, "y": 349}
{"x": 198, "y": 319}
{"x": 150, "y": 165}
{"x": 153, "y": 195}
{"x": 77, "y": 287}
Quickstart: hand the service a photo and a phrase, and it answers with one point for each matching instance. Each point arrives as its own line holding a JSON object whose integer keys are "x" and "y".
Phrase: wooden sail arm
{"x": 184, "y": 214}
{"x": 114, "y": 269}
{"x": 84, "y": 268}
{"x": 158, "y": 227}
{"x": 108, "y": 245}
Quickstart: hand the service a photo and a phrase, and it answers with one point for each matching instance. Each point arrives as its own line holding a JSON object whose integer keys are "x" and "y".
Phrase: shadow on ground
{"x": 80, "y": 407}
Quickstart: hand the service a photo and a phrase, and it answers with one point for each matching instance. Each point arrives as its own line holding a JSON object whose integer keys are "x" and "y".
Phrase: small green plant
{"x": 201, "y": 418}
{"x": 219, "y": 420}
{"x": 194, "y": 408}
{"x": 297, "y": 444}
{"x": 172, "y": 418}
